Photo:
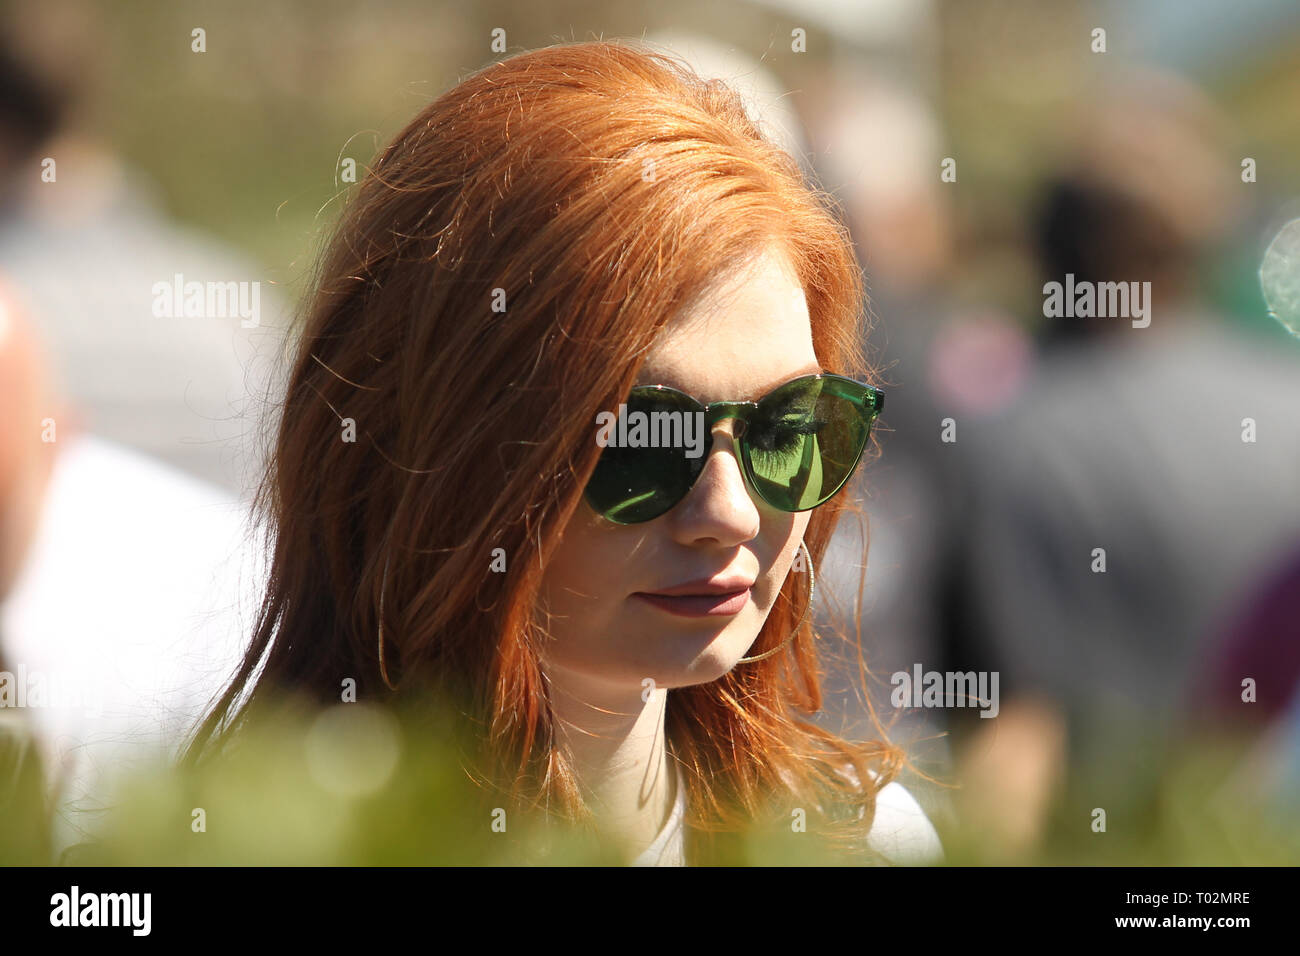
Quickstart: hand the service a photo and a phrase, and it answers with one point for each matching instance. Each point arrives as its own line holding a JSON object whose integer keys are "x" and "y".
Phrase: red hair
{"x": 598, "y": 189}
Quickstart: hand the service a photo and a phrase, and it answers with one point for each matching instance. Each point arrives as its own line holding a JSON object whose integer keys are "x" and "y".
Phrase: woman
{"x": 632, "y": 641}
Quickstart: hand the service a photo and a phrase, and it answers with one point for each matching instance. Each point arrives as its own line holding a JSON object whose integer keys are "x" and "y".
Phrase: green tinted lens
{"x": 637, "y": 481}
{"x": 806, "y": 438}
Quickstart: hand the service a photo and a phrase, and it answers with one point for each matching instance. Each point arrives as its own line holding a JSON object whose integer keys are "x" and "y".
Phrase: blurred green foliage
{"x": 24, "y": 815}
{"x": 351, "y": 784}
{"x": 1197, "y": 802}
{"x": 357, "y": 785}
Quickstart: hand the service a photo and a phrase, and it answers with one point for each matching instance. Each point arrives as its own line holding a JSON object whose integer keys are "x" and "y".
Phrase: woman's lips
{"x": 698, "y": 605}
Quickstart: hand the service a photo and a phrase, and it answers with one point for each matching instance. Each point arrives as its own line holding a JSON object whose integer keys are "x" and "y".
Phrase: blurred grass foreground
{"x": 350, "y": 784}
{"x": 359, "y": 784}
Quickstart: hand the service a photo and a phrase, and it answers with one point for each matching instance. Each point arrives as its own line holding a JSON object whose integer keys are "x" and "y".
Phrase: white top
{"x": 133, "y": 604}
{"x": 668, "y": 848}
{"x": 901, "y": 832}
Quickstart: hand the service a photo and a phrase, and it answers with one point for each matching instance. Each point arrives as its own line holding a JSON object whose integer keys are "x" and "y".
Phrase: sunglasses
{"x": 797, "y": 445}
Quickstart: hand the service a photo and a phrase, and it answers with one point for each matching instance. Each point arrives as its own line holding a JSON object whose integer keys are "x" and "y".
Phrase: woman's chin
{"x": 712, "y": 663}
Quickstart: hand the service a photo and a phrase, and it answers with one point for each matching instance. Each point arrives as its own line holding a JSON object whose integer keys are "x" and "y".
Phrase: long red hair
{"x": 595, "y": 189}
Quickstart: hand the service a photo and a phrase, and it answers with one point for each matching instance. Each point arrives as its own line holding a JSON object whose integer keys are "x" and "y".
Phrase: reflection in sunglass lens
{"x": 808, "y": 439}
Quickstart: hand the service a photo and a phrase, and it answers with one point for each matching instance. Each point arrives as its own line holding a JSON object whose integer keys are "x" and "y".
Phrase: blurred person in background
{"x": 1172, "y": 448}
{"x": 878, "y": 151}
{"x": 122, "y": 582}
{"x": 25, "y": 396}
{"x": 123, "y": 553}
{"x": 90, "y": 254}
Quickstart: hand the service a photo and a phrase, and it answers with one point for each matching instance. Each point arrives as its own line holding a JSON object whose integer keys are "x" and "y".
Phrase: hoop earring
{"x": 383, "y": 670}
{"x": 812, "y": 587}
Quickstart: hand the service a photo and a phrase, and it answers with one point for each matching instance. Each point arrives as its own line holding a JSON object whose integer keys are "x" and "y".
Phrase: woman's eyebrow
{"x": 814, "y": 369}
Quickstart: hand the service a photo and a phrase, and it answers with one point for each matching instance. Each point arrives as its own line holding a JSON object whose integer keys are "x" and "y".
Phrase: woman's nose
{"x": 720, "y": 505}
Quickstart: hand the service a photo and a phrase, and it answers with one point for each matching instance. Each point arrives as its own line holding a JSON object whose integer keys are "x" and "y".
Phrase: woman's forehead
{"x": 739, "y": 345}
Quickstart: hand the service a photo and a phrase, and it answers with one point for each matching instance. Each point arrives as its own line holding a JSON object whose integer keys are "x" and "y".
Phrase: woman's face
{"x": 753, "y": 337}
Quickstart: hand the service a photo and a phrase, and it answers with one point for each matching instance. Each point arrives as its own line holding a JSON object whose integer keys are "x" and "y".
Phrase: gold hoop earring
{"x": 812, "y": 587}
{"x": 383, "y": 670}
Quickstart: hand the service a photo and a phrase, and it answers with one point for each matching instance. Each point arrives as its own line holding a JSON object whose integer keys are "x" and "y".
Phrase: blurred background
{"x": 1104, "y": 516}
